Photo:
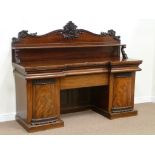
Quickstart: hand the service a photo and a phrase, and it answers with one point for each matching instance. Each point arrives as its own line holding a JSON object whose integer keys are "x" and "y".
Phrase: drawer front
{"x": 80, "y": 81}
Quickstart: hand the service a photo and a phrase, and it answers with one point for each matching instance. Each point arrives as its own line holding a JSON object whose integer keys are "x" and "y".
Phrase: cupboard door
{"x": 123, "y": 92}
{"x": 46, "y": 96}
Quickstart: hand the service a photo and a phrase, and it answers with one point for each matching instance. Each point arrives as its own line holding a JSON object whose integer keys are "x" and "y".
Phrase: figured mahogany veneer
{"x": 70, "y": 70}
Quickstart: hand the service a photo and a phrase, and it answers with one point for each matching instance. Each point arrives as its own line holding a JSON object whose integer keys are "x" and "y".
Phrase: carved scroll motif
{"x": 22, "y": 34}
{"x": 123, "y": 52}
{"x": 70, "y": 31}
{"x": 111, "y": 33}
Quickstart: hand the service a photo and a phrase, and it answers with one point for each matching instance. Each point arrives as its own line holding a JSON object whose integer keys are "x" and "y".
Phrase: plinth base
{"x": 33, "y": 128}
{"x": 114, "y": 115}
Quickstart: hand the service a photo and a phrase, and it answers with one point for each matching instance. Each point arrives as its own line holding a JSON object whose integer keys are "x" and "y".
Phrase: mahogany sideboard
{"x": 69, "y": 70}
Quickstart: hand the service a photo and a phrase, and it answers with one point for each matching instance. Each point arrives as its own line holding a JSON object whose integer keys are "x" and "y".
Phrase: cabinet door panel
{"x": 123, "y": 88}
{"x": 45, "y": 100}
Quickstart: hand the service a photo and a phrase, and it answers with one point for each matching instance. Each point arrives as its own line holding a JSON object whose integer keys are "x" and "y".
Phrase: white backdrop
{"x": 133, "y": 20}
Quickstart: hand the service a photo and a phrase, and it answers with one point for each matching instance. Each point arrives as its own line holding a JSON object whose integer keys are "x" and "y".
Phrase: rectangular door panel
{"x": 122, "y": 92}
{"x": 45, "y": 99}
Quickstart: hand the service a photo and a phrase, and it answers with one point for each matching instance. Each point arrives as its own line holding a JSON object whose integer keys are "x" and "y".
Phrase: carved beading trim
{"x": 121, "y": 109}
{"x": 44, "y": 121}
{"x": 111, "y": 33}
{"x": 43, "y": 81}
{"x": 121, "y": 75}
{"x": 22, "y": 34}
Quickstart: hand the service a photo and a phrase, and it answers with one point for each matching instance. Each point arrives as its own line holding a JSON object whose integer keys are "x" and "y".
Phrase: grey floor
{"x": 89, "y": 122}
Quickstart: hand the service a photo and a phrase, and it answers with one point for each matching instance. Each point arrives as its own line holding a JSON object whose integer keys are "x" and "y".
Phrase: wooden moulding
{"x": 66, "y": 45}
{"x": 33, "y": 128}
{"x": 114, "y": 115}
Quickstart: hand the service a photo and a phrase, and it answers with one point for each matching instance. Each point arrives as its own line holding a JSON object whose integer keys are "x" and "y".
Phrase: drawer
{"x": 79, "y": 81}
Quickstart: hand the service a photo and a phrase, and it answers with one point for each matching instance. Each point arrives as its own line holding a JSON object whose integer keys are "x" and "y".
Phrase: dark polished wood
{"x": 69, "y": 70}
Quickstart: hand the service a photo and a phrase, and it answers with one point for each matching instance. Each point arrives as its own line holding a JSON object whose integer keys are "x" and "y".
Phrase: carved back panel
{"x": 69, "y": 34}
{"x": 66, "y": 43}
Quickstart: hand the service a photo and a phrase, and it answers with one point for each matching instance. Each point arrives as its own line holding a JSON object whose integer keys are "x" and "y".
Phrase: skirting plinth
{"x": 33, "y": 128}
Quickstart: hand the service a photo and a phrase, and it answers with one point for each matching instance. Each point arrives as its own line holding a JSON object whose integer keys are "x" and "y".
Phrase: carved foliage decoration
{"x": 22, "y": 34}
{"x": 70, "y": 31}
{"x": 111, "y": 33}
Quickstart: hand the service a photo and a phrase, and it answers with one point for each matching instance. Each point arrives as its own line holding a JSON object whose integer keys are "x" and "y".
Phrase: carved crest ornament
{"x": 23, "y": 34}
{"x": 69, "y": 31}
{"x": 111, "y": 33}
